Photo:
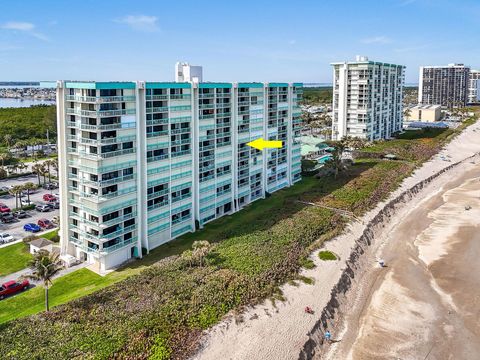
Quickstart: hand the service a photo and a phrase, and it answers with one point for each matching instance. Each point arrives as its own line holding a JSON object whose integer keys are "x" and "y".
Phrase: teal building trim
{"x": 250, "y": 85}
{"x": 278, "y": 85}
{"x": 215, "y": 85}
{"x": 167, "y": 85}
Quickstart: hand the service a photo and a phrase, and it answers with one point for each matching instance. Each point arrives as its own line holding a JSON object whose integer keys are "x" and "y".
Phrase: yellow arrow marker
{"x": 261, "y": 144}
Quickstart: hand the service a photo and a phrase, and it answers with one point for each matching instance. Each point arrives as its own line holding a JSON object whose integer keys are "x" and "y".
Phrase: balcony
{"x": 157, "y": 133}
{"x": 100, "y": 113}
{"x": 119, "y": 245}
{"x": 157, "y": 158}
{"x": 181, "y": 219}
{"x": 157, "y": 109}
{"x": 180, "y": 131}
{"x": 99, "y": 99}
{"x": 115, "y": 126}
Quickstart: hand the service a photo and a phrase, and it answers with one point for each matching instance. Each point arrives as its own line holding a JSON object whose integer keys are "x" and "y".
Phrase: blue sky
{"x": 243, "y": 40}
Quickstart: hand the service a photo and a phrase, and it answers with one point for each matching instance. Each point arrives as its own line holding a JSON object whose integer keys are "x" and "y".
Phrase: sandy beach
{"x": 415, "y": 308}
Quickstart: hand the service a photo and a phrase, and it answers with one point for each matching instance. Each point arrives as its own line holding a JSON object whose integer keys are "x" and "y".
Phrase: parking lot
{"x": 16, "y": 228}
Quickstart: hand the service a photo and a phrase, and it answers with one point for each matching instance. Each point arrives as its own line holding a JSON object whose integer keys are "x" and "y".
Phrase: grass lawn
{"x": 13, "y": 258}
{"x": 66, "y": 288}
{"x": 162, "y": 309}
{"x": 50, "y": 235}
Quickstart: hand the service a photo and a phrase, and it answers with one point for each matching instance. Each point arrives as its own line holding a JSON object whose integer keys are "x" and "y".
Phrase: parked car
{"x": 26, "y": 202}
{"x": 29, "y": 192}
{"x": 13, "y": 287}
{"x": 4, "y": 188}
{"x": 20, "y": 214}
{"x": 49, "y": 197}
{"x": 4, "y": 208}
{"x": 43, "y": 207}
{"x": 45, "y": 224}
{"x": 50, "y": 186}
{"x": 56, "y": 220}
{"x": 5, "y": 238}
{"x": 31, "y": 227}
{"x": 55, "y": 205}
{"x": 8, "y": 218}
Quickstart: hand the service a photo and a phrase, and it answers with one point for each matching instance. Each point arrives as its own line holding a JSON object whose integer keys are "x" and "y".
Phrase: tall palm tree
{"x": 47, "y": 164}
{"x": 37, "y": 169}
{"x": 29, "y": 186}
{"x": 55, "y": 166}
{"x": 16, "y": 191}
{"x": 44, "y": 266}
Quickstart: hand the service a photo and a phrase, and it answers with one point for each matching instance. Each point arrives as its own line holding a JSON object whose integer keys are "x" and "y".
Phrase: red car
{"x": 13, "y": 287}
{"x": 49, "y": 197}
{"x": 4, "y": 208}
{"x": 45, "y": 224}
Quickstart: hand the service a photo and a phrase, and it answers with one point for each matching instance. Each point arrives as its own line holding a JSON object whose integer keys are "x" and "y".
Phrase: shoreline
{"x": 282, "y": 330}
{"x": 409, "y": 309}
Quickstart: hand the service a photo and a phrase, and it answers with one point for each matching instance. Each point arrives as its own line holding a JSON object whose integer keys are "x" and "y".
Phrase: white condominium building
{"x": 474, "y": 87}
{"x": 444, "y": 85}
{"x": 142, "y": 163}
{"x": 367, "y": 99}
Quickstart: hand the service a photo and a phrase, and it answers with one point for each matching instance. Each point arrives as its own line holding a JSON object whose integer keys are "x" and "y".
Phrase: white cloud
{"x": 21, "y": 26}
{"x": 24, "y": 27}
{"x": 377, "y": 40}
{"x": 140, "y": 22}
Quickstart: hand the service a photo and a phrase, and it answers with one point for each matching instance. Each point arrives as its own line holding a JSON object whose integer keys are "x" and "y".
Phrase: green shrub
{"x": 160, "y": 349}
{"x": 326, "y": 255}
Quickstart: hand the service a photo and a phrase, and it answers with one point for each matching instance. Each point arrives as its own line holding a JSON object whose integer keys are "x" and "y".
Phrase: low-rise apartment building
{"x": 425, "y": 113}
{"x": 142, "y": 163}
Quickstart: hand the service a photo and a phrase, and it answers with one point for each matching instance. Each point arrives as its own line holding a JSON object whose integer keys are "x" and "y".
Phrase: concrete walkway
{"x": 26, "y": 271}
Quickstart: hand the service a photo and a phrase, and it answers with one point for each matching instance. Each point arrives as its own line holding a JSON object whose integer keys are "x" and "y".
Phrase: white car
{"x": 5, "y": 238}
{"x": 26, "y": 202}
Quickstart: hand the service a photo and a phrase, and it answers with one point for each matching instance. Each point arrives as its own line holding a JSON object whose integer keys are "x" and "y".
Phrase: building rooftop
{"x": 426, "y": 107}
{"x": 41, "y": 243}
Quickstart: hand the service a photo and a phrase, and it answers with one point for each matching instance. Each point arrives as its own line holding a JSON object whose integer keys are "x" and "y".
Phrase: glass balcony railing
{"x": 119, "y": 245}
{"x": 100, "y": 113}
{"x": 99, "y": 99}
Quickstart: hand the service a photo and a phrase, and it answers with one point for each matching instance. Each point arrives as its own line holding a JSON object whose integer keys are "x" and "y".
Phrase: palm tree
{"x": 20, "y": 146}
{"x": 407, "y": 113}
{"x": 29, "y": 186}
{"x": 335, "y": 162}
{"x": 16, "y": 191}
{"x": 327, "y": 133}
{"x": 3, "y": 157}
{"x": 22, "y": 166}
{"x": 55, "y": 166}
{"x": 44, "y": 266}
{"x": 8, "y": 140}
{"x": 38, "y": 170}
{"x": 48, "y": 163}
